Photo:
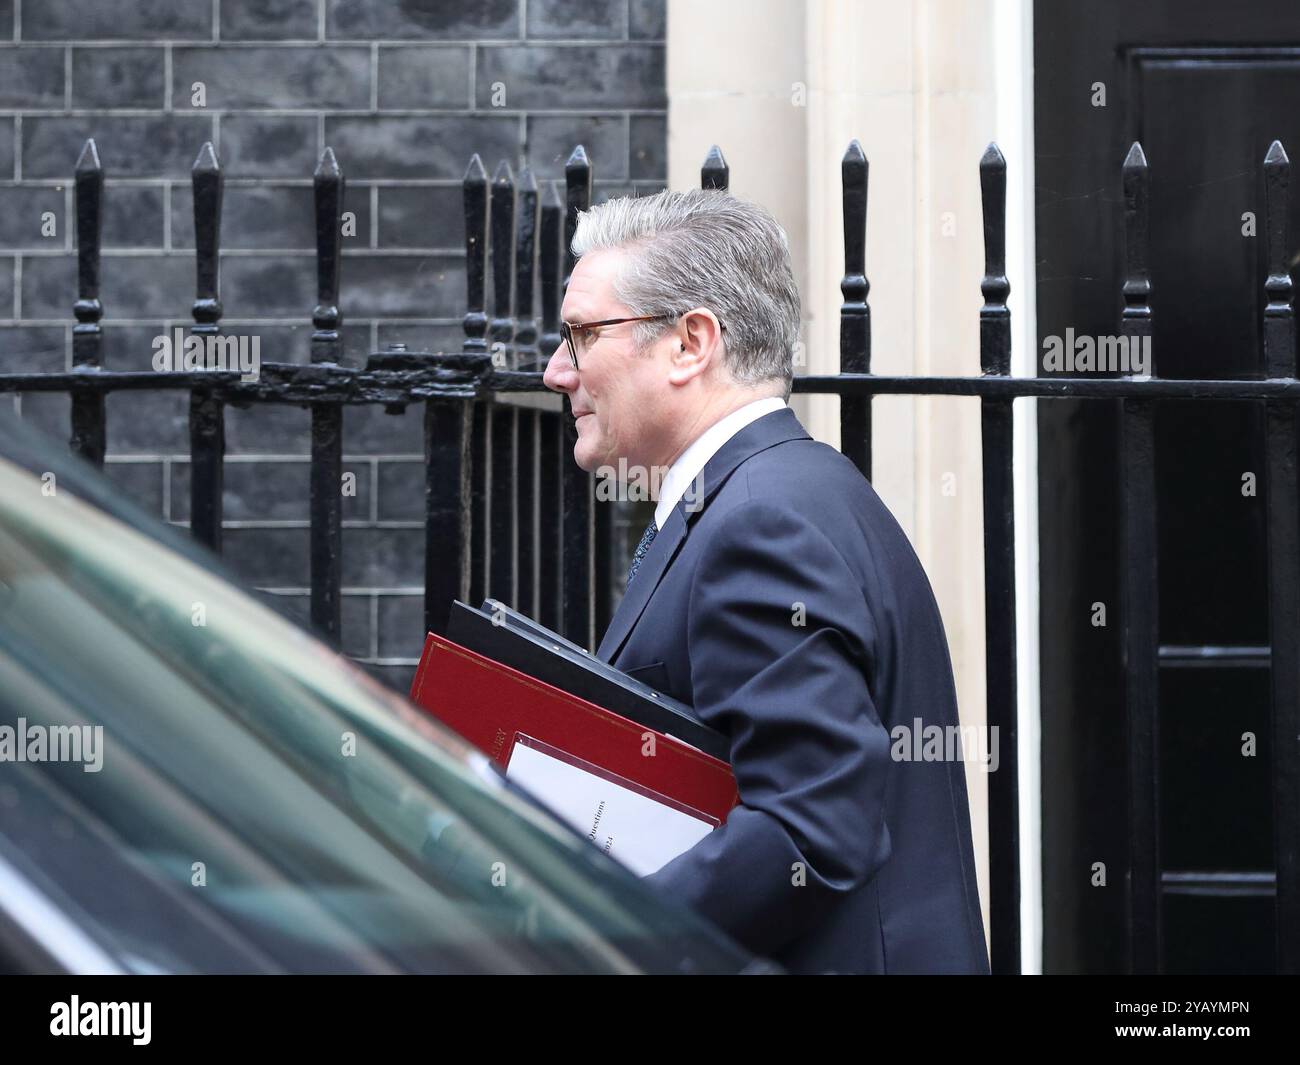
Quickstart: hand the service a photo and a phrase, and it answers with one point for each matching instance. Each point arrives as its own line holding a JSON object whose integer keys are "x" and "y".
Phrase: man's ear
{"x": 683, "y": 365}
{"x": 696, "y": 352}
{"x": 700, "y": 325}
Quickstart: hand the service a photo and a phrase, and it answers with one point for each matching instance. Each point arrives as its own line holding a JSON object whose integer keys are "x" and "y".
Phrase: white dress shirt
{"x": 691, "y": 462}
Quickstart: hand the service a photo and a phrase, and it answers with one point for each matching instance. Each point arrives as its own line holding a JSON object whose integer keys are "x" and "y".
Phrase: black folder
{"x": 517, "y": 641}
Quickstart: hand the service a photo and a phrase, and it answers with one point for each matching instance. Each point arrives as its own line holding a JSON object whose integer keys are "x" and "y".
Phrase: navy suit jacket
{"x": 785, "y": 605}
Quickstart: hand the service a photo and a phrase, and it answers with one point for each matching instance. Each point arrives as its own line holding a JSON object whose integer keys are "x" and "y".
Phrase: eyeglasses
{"x": 567, "y": 330}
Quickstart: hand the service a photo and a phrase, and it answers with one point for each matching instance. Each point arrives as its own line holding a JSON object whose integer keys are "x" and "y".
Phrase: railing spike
{"x": 1279, "y": 317}
{"x": 855, "y": 312}
{"x": 87, "y": 410}
{"x": 715, "y": 173}
{"x": 475, "y": 200}
{"x": 501, "y": 329}
{"x": 208, "y": 183}
{"x": 549, "y": 267}
{"x": 995, "y": 318}
{"x": 526, "y": 223}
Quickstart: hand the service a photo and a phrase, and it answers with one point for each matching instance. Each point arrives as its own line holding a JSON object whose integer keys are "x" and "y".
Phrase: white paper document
{"x": 641, "y": 832}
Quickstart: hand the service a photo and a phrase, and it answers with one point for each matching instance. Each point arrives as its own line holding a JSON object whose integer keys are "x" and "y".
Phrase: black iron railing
{"x": 507, "y": 512}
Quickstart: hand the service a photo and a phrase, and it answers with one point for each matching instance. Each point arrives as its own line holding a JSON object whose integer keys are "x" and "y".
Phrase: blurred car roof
{"x": 260, "y": 803}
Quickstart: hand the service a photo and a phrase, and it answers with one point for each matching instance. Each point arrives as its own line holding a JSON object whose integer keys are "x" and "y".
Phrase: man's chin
{"x": 584, "y": 458}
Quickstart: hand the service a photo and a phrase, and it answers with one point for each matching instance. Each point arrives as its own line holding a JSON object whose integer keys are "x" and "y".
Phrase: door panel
{"x": 1195, "y": 84}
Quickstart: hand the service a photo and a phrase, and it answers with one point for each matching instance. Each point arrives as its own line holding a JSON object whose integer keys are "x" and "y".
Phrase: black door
{"x": 1205, "y": 87}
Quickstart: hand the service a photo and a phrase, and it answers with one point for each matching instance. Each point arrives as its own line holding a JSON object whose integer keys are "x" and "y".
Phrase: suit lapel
{"x": 758, "y": 435}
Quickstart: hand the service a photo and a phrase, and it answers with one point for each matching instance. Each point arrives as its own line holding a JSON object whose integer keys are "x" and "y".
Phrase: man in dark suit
{"x": 775, "y": 594}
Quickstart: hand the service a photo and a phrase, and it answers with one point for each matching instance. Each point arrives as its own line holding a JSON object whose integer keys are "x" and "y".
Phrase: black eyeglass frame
{"x": 566, "y": 329}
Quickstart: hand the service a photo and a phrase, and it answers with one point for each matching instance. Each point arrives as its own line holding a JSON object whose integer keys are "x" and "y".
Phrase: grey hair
{"x": 704, "y": 248}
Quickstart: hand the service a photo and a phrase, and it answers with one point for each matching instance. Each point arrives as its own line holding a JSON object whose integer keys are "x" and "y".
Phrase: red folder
{"x": 494, "y": 707}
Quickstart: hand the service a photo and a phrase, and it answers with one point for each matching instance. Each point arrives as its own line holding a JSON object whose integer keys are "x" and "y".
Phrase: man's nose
{"x": 560, "y": 376}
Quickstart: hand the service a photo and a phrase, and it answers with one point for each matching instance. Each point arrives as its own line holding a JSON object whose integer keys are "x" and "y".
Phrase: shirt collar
{"x": 692, "y": 461}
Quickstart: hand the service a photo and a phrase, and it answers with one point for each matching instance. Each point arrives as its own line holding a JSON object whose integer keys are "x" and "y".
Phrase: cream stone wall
{"x": 783, "y": 87}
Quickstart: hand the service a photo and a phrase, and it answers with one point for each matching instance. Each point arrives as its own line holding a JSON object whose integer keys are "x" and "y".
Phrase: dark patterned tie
{"x": 647, "y": 538}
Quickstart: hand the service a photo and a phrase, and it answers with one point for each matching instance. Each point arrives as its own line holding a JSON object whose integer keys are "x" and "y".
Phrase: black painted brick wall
{"x": 404, "y": 93}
